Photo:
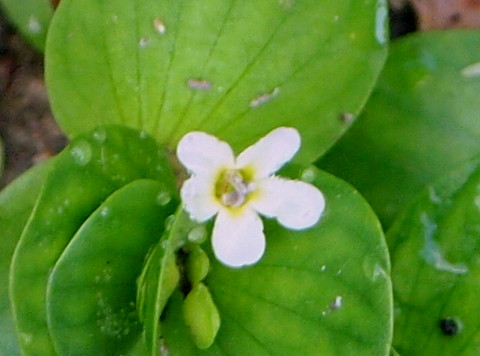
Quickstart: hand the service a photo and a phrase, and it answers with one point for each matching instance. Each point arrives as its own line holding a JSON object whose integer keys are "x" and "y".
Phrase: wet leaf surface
{"x": 435, "y": 249}
{"x": 324, "y": 290}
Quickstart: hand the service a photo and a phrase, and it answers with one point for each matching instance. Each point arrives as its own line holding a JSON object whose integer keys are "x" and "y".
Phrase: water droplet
{"x": 347, "y": 117}
{"x": 163, "y": 198}
{"x": 81, "y": 152}
{"x": 143, "y": 42}
{"x": 143, "y": 135}
{"x": 100, "y": 135}
{"x": 472, "y": 70}
{"x": 373, "y": 269}
{"x": 432, "y": 253}
{"x": 286, "y": 4}
{"x": 169, "y": 221}
{"x": 105, "y": 211}
{"x": 477, "y": 202}
{"x": 163, "y": 347}
{"x": 308, "y": 175}
{"x": 337, "y": 303}
{"x": 26, "y": 338}
{"x": 159, "y": 26}
{"x": 197, "y": 235}
{"x": 432, "y": 194}
{"x": 381, "y": 24}
{"x": 34, "y": 25}
{"x": 324, "y": 268}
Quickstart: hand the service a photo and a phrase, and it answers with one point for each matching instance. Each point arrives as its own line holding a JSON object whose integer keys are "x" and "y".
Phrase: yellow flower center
{"x": 232, "y": 188}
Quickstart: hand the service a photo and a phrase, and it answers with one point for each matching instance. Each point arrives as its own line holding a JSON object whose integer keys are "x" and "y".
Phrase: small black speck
{"x": 108, "y": 262}
{"x": 449, "y": 326}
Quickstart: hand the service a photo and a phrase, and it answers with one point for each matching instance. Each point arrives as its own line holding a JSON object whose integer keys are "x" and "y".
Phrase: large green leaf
{"x": 92, "y": 288}
{"x": 234, "y": 68}
{"x": 435, "y": 248}
{"x": 421, "y": 120}
{"x": 16, "y": 204}
{"x": 32, "y": 18}
{"x": 84, "y": 175}
{"x": 321, "y": 291}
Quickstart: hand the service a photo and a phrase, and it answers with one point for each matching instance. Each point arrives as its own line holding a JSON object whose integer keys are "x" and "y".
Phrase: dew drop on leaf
{"x": 308, "y": 175}
{"x": 163, "y": 198}
{"x": 81, "y": 152}
{"x": 373, "y": 270}
{"x": 100, "y": 135}
{"x": 197, "y": 235}
{"x": 169, "y": 221}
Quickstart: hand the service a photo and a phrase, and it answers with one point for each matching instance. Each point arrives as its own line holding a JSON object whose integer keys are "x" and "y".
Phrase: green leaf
{"x": 85, "y": 174}
{"x": 236, "y": 69}
{"x": 435, "y": 248}
{"x": 92, "y": 288}
{"x": 421, "y": 121}
{"x": 324, "y": 290}
{"x": 160, "y": 276}
{"x": 16, "y": 203}
{"x": 32, "y": 18}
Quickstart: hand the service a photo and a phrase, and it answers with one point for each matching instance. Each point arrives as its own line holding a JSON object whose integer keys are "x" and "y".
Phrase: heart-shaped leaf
{"x": 421, "y": 120}
{"x": 32, "y": 18}
{"x": 84, "y": 175}
{"x": 324, "y": 290}
{"x": 16, "y": 204}
{"x": 92, "y": 288}
{"x": 233, "y": 68}
{"x": 435, "y": 248}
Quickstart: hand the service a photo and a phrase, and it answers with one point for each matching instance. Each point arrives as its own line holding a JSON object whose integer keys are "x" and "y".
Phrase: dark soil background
{"x": 27, "y": 128}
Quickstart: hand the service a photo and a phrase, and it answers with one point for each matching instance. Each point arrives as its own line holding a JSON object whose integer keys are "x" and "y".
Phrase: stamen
{"x": 239, "y": 189}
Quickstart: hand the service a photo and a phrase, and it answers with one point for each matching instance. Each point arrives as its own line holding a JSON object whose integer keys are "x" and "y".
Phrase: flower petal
{"x": 271, "y": 152}
{"x": 296, "y": 205}
{"x": 201, "y": 153}
{"x": 198, "y": 198}
{"x": 238, "y": 238}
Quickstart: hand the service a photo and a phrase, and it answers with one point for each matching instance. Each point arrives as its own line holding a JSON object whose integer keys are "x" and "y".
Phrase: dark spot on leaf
{"x": 449, "y": 326}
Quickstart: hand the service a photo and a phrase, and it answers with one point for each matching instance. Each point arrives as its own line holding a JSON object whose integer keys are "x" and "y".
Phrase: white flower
{"x": 236, "y": 190}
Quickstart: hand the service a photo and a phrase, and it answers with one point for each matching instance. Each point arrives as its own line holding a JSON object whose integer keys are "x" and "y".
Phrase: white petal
{"x": 200, "y": 153}
{"x": 271, "y": 152}
{"x": 296, "y": 205}
{"x": 198, "y": 198}
{"x": 238, "y": 238}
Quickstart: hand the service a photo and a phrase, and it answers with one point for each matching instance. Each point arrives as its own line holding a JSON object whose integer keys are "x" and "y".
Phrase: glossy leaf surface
{"x": 321, "y": 291}
{"x": 160, "y": 277}
{"x": 85, "y": 174}
{"x": 236, "y": 69}
{"x": 16, "y": 204}
{"x": 420, "y": 122}
{"x": 92, "y": 288}
{"x": 32, "y": 17}
{"x": 435, "y": 248}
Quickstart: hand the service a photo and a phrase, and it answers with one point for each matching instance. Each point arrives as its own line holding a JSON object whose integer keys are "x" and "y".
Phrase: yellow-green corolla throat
{"x": 233, "y": 187}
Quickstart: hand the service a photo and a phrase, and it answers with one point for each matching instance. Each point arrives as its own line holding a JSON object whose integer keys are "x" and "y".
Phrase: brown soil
{"x": 27, "y": 129}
